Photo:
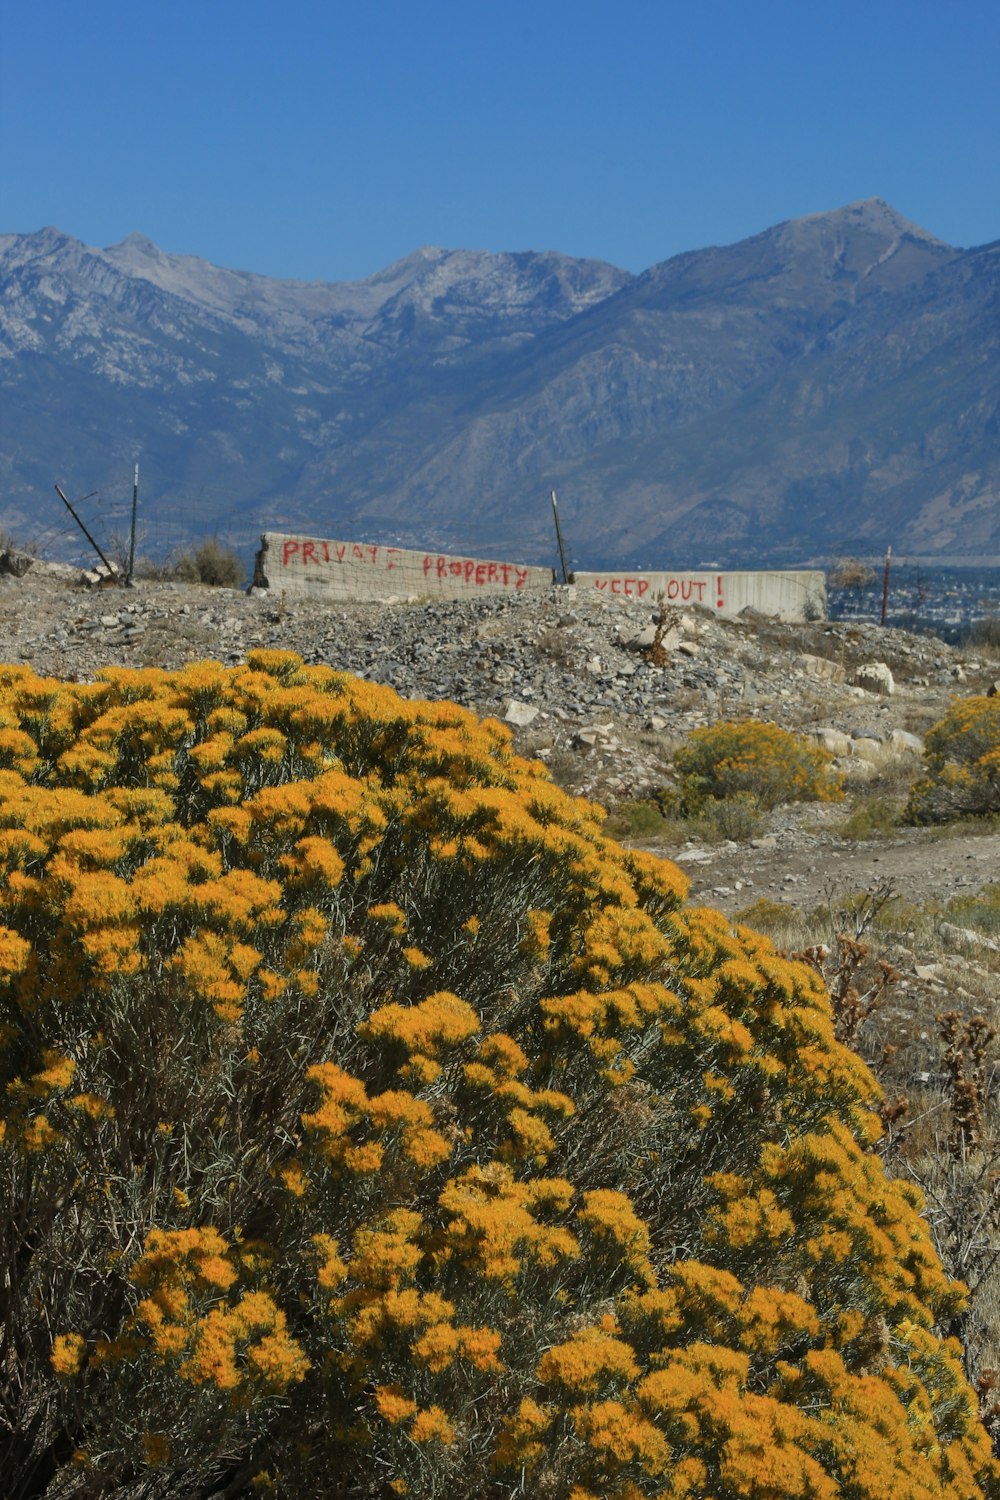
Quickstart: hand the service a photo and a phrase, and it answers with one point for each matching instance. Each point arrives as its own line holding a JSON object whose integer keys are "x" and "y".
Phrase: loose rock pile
{"x": 591, "y": 682}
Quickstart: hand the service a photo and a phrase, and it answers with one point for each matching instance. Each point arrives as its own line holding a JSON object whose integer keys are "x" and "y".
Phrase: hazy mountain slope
{"x": 831, "y": 382}
{"x": 232, "y": 383}
{"x": 643, "y": 398}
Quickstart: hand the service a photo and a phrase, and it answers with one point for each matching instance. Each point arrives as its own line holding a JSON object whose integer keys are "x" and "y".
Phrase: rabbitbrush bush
{"x": 755, "y": 761}
{"x": 962, "y": 764}
{"x": 375, "y": 1126}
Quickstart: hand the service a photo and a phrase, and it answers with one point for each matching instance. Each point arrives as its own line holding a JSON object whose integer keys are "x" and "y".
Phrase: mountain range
{"x": 828, "y": 386}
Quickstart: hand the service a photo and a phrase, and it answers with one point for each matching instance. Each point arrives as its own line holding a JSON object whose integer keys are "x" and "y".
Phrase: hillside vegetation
{"x": 375, "y": 1125}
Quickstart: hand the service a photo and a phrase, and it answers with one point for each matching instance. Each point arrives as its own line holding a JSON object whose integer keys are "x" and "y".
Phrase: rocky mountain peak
{"x": 824, "y": 260}
{"x": 870, "y": 215}
{"x": 859, "y": 242}
{"x": 135, "y": 244}
{"x": 483, "y": 284}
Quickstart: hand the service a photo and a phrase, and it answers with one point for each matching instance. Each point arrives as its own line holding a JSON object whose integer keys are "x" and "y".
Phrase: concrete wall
{"x": 786, "y": 596}
{"x": 363, "y": 570}
{"x": 366, "y": 570}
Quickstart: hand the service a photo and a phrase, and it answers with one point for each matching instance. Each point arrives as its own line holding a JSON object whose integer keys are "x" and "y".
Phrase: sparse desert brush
{"x": 980, "y": 911}
{"x": 374, "y": 1125}
{"x": 756, "y": 761}
{"x": 211, "y": 562}
{"x": 851, "y": 573}
{"x": 640, "y": 818}
{"x": 871, "y": 818}
{"x": 776, "y": 918}
{"x": 962, "y": 760}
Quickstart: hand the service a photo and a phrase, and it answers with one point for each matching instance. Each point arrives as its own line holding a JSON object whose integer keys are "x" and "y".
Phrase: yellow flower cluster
{"x": 962, "y": 764}
{"x": 394, "y": 1115}
{"x": 498, "y": 1099}
{"x": 210, "y": 1341}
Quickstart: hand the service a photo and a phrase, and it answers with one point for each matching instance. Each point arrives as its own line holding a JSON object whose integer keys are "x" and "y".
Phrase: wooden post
{"x": 885, "y": 582}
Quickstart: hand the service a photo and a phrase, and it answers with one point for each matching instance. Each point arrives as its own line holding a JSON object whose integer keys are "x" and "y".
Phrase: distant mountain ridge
{"x": 831, "y": 384}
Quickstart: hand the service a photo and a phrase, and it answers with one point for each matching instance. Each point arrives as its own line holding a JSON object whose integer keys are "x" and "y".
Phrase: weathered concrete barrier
{"x": 369, "y": 570}
{"x": 797, "y": 595}
{"x": 366, "y": 570}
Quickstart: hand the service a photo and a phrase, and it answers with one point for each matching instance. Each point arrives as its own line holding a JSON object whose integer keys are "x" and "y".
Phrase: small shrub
{"x": 15, "y": 558}
{"x": 665, "y": 820}
{"x": 962, "y": 760}
{"x": 664, "y": 621}
{"x": 857, "y": 912}
{"x": 851, "y": 573}
{"x": 557, "y": 646}
{"x": 775, "y": 918}
{"x": 641, "y": 819}
{"x": 760, "y": 762}
{"x": 10, "y": 543}
{"x": 153, "y": 570}
{"x": 951, "y": 1150}
{"x": 212, "y": 563}
{"x": 980, "y": 912}
{"x": 872, "y": 818}
{"x": 985, "y": 633}
{"x": 720, "y": 818}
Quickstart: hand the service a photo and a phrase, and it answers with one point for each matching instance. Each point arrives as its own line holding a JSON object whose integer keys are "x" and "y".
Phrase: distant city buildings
{"x": 949, "y": 602}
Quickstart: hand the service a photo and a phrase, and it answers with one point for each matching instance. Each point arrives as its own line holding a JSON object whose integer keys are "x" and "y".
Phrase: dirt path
{"x": 807, "y": 869}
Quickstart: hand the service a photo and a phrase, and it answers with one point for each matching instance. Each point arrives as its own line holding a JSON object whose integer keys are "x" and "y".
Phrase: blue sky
{"x": 326, "y": 140}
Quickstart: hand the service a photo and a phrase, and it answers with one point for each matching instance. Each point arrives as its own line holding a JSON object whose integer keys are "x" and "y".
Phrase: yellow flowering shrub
{"x": 962, "y": 764}
{"x": 372, "y": 1124}
{"x": 756, "y": 760}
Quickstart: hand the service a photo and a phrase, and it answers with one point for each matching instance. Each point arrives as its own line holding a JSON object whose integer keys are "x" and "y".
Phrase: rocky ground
{"x": 593, "y": 687}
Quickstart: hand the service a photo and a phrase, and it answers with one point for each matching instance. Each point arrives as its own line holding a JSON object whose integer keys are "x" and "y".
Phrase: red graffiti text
{"x": 674, "y": 588}
{"x": 305, "y": 554}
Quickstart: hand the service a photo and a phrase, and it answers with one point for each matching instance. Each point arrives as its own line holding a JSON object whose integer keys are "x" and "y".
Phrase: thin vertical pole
{"x": 562, "y": 552}
{"x": 885, "y": 582}
{"x": 131, "y": 541}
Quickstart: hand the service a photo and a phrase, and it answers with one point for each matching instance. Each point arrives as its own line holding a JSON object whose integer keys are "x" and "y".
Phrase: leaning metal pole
{"x": 113, "y": 571}
{"x": 562, "y": 551}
